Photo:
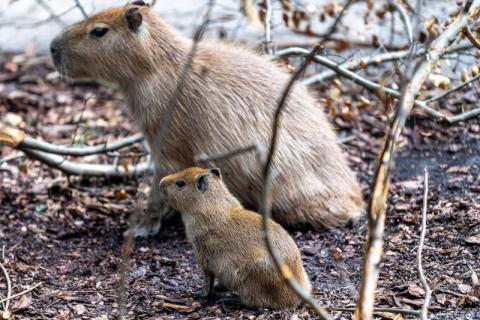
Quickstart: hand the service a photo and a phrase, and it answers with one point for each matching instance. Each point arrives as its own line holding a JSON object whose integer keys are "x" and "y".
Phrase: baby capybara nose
{"x": 55, "y": 50}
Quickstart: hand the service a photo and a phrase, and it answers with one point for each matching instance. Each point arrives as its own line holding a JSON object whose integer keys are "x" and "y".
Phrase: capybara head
{"x": 193, "y": 188}
{"x": 113, "y": 45}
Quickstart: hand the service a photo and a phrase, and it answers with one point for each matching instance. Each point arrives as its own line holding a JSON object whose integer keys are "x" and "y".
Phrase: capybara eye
{"x": 99, "y": 32}
{"x": 180, "y": 184}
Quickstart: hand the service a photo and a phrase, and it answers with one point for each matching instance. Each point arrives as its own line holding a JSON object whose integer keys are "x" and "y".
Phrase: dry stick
{"x": 373, "y": 86}
{"x": 22, "y": 292}
{"x": 80, "y": 7}
{"x": 79, "y": 150}
{"x": 456, "y": 88}
{"x": 52, "y": 13}
{"x": 9, "y": 288}
{"x": 326, "y": 37}
{"x": 127, "y": 249}
{"x": 88, "y": 169}
{"x": 172, "y": 102}
{"x": 269, "y": 47}
{"x": 421, "y": 275}
{"x": 392, "y": 310}
{"x": 468, "y": 33}
{"x": 407, "y": 24}
{"x": 267, "y": 197}
{"x": 377, "y": 203}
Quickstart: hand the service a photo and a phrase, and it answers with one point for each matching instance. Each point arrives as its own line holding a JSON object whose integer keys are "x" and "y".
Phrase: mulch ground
{"x": 67, "y": 232}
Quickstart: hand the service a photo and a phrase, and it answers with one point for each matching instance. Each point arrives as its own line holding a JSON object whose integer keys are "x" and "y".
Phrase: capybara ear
{"x": 216, "y": 171}
{"x": 204, "y": 181}
{"x": 134, "y": 19}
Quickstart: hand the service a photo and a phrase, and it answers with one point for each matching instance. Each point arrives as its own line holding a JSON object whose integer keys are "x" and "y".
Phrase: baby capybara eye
{"x": 180, "y": 184}
{"x": 99, "y": 32}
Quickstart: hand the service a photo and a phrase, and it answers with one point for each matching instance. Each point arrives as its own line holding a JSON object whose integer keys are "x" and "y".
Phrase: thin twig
{"x": 468, "y": 33}
{"x": 80, "y": 7}
{"x": 456, "y": 88}
{"x": 269, "y": 46}
{"x": 127, "y": 249}
{"x": 392, "y": 310}
{"x": 172, "y": 102}
{"x": 88, "y": 169}
{"x": 267, "y": 197}
{"x": 22, "y": 292}
{"x": 164, "y": 126}
{"x": 53, "y": 15}
{"x": 421, "y": 275}
{"x": 407, "y": 24}
{"x": 9, "y": 288}
{"x": 333, "y": 28}
{"x": 79, "y": 150}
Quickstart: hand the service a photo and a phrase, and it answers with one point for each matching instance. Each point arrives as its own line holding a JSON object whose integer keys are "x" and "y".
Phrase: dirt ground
{"x": 67, "y": 233}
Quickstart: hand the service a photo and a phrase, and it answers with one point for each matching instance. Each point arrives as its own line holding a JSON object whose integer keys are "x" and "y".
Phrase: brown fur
{"x": 227, "y": 241}
{"x": 228, "y": 101}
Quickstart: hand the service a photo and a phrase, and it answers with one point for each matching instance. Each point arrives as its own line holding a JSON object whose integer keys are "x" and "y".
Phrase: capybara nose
{"x": 55, "y": 50}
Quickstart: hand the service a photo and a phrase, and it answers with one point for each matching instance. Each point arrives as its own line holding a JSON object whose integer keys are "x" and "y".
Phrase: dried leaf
{"x": 439, "y": 81}
{"x": 179, "y": 307}
{"x": 79, "y": 309}
{"x": 473, "y": 239}
{"x": 415, "y": 290}
{"x": 121, "y": 194}
{"x": 11, "y": 137}
{"x": 249, "y": 12}
{"x": 464, "y": 288}
{"x": 458, "y": 169}
{"x": 22, "y": 303}
{"x": 341, "y": 45}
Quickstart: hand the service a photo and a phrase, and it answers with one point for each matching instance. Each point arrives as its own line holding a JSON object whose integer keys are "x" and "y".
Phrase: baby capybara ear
{"x": 204, "y": 181}
{"x": 217, "y": 172}
{"x": 134, "y": 19}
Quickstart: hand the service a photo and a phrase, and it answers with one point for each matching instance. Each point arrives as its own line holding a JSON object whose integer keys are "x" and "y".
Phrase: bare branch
{"x": 381, "y": 185}
{"x": 79, "y": 150}
{"x": 172, "y": 102}
{"x": 392, "y": 310}
{"x": 80, "y": 7}
{"x": 456, "y": 88}
{"x": 9, "y": 289}
{"x": 53, "y": 15}
{"x": 269, "y": 46}
{"x": 421, "y": 275}
{"x": 88, "y": 169}
{"x": 468, "y": 33}
{"x": 267, "y": 197}
{"x": 333, "y": 28}
{"x": 406, "y": 21}
{"x": 22, "y": 292}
